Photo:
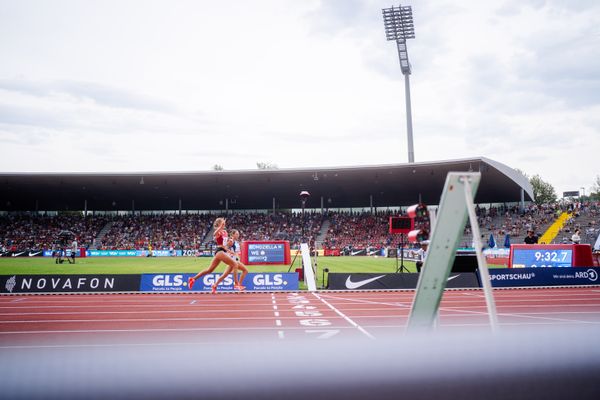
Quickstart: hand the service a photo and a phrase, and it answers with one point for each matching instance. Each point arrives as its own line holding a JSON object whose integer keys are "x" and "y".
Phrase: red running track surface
{"x": 31, "y": 321}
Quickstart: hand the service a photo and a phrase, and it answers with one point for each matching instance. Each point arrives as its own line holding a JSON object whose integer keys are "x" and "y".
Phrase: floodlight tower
{"x": 399, "y": 27}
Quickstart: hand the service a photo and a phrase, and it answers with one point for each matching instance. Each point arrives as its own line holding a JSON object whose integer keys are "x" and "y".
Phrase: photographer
{"x": 62, "y": 243}
{"x": 74, "y": 249}
{"x": 422, "y": 254}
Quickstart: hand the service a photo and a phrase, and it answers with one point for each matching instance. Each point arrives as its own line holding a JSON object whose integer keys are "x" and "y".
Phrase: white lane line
{"x": 195, "y": 311}
{"x": 148, "y": 330}
{"x": 128, "y": 320}
{"x": 120, "y": 303}
{"x": 210, "y": 303}
{"x": 188, "y": 311}
{"x": 360, "y": 328}
{"x": 550, "y": 318}
{"x": 280, "y": 334}
{"x": 446, "y": 324}
{"x": 58, "y": 346}
{"x": 545, "y": 316}
{"x": 365, "y": 301}
{"x": 526, "y": 306}
{"x": 473, "y": 295}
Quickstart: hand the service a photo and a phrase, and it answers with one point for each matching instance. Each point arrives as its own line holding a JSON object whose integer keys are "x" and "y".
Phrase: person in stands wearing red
{"x": 222, "y": 254}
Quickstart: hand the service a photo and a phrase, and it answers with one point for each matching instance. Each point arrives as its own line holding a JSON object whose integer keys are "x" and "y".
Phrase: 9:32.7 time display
{"x": 528, "y": 258}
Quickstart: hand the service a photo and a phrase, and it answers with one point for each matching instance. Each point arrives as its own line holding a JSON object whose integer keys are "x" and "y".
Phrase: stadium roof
{"x": 339, "y": 187}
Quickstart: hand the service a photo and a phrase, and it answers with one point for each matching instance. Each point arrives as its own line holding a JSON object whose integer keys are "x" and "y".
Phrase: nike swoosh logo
{"x": 356, "y": 285}
{"x": 18, "y": 254}
{"x": 452, "y": 277}
{"x": 353, "y": 253}
{"x": 34, "y": 254}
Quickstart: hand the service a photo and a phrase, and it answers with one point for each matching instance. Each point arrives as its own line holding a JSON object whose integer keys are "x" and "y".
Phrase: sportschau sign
{"x": 68, "y": 283}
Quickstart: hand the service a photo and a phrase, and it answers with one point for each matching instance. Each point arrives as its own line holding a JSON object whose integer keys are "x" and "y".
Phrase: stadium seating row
{"x": 338, "y": 230}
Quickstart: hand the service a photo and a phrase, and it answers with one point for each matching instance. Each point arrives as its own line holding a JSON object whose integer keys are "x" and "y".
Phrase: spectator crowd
{"x": 332, "y": 230}
{"x": 41, "y": 232}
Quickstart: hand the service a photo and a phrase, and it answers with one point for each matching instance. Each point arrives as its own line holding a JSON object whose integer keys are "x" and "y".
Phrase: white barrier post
{"x": 309, "y": 273}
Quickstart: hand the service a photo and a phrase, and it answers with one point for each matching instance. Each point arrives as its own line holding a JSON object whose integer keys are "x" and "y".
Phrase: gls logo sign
{"x": 210, "y": 279}
{"x": 253, "y": 281}
{"x": 178, "y": 281}
{"x": 268, "y": 280}
{"x": 167, "y": 280}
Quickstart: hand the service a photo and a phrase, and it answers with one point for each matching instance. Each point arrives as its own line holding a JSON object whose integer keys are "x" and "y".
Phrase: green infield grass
{"x": 141, "y": 265}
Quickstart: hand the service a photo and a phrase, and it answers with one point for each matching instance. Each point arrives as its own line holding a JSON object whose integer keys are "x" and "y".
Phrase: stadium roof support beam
{"x": 341, "y": 187}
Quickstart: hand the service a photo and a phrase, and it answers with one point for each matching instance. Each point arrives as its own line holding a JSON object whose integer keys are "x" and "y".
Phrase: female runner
{"x": 221, "y": 255}
{"x": 234, "y": 245}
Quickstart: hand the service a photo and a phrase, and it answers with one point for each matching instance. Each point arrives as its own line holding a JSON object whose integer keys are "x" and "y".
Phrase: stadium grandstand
{"x": 348, "y": 208}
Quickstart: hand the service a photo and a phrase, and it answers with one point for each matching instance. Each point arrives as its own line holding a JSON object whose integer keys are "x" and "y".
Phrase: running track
{"x": 38, "y": 321}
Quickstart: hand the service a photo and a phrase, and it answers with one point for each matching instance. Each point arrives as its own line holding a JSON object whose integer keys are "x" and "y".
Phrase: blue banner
{"x": 52, "y": 253}
{"x": 160, "y": 253}
{"x": 267, "y": 281}
{"x": 112, "y": 253}
{"x": 133, "y": 253}
{"x": 514, "y": 277}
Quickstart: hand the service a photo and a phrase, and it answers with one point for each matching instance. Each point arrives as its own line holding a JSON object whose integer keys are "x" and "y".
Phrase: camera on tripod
{"x": 62, "y": 242}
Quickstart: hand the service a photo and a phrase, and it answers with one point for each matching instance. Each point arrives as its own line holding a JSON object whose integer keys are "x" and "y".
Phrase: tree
{"x": 263, "y": 165}
{"x": 217, "y": 167}
{"x": 543, "y": 191}
{"x": 595, "y": 189}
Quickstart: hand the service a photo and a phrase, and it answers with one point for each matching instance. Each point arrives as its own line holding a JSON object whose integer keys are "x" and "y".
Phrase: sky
{"x": 139, "y": 86}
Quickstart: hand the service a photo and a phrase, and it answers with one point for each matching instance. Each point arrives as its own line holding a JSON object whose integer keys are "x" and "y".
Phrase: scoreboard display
{"x": 542, "y": 258}
{"x": 550, "y": 256}
{"x": 266, "y": 252}
{"x": 401, "y": 224}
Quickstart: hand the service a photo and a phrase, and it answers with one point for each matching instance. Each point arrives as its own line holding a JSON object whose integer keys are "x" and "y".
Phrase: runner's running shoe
{"x": 191, "y": 282}
{"x": 239, "y": 287}
{"x": 214, "y": 289}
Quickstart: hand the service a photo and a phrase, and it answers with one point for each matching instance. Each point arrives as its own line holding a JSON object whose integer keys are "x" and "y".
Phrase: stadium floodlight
{"x": 399, "y": 27}
{"x": 304, "y": 195}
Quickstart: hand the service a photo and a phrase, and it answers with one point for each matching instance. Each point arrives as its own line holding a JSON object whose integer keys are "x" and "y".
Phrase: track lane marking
{"x": 136, "y": 320}
{"x": 280, "y": 334}
{"x": 365, "y": 301}
{"x": 150, "y": 330}
{"x": 360, "y": 328}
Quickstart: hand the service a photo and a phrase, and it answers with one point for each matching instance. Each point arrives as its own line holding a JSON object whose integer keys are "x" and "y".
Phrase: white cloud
{"x": 183, "y": 85}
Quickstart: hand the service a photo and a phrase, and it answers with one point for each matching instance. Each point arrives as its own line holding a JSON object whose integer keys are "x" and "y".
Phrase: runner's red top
{"x": 221, "y": 237}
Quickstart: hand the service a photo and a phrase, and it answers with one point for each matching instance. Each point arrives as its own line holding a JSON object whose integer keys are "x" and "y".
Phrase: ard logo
{"x": 589, "y": 274}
